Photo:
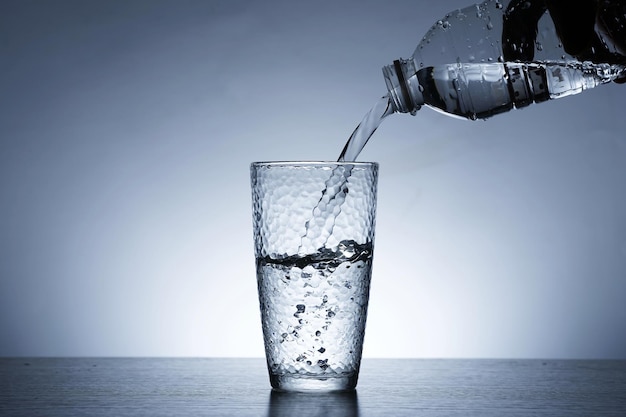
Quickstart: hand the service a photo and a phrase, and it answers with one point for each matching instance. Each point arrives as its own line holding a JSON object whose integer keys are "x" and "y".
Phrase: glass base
{"x": 310, "y": 383}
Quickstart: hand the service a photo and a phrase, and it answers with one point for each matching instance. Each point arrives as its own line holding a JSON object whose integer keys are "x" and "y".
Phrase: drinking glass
{"x": 314, "y": 240}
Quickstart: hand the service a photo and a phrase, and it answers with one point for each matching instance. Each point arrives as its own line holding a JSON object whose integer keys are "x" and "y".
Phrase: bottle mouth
{"x": 393, "y": 87}
{"x": 405, "y": 95}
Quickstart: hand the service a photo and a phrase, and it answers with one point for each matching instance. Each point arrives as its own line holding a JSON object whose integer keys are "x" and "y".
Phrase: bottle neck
{"x": 403, "y": 86}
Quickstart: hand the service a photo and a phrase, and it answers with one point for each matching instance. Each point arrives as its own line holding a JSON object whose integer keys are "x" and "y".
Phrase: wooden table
{"x": 240, "y": 387}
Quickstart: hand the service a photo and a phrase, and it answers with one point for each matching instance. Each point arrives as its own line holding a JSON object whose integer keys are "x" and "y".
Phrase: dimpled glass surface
{"x": 284, "y": 198}
{"x": 314, "y": 233}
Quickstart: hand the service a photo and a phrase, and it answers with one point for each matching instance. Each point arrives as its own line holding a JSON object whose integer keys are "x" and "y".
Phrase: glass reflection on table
{"x": 305, "y": 404}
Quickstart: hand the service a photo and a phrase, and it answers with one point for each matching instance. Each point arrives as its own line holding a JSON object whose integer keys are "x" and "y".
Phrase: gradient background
{"x": 126, "y": 132}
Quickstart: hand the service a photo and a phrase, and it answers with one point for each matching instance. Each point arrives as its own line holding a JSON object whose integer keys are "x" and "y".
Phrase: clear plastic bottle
{"x": 459, "y": 68}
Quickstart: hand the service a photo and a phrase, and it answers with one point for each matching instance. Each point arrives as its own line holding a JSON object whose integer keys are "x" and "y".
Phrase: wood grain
{"x": 240, "y": 387}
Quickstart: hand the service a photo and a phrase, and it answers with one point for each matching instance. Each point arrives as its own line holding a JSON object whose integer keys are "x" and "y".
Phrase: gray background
{"x": 126, "y": 132}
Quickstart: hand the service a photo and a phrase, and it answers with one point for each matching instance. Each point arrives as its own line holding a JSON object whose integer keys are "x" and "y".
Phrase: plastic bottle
{"x": 459, "y": 68}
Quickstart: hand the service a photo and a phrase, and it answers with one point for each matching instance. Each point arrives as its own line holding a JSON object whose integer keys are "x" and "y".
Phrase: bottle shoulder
{"x": 474, "y": 34}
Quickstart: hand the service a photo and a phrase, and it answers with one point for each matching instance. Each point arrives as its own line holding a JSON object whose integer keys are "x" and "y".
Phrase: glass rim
{"x": 312, "y": 163}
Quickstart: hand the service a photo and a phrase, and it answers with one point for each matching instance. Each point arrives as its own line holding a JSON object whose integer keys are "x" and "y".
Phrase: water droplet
{"x": 318, "y": 333}
{"x": 323, "y": 363}
{"x": 321, "y": 350}
{"x": 539, "y": 46}
{"x": 498, "y": 5}
{"x": 300, "y": 308}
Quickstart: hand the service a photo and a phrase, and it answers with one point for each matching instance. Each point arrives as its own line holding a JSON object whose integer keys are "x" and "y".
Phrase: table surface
{"x": 240, "y": 387}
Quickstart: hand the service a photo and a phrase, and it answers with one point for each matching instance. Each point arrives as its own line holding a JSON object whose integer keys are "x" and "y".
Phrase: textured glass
{"x": 314, "y": 240}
